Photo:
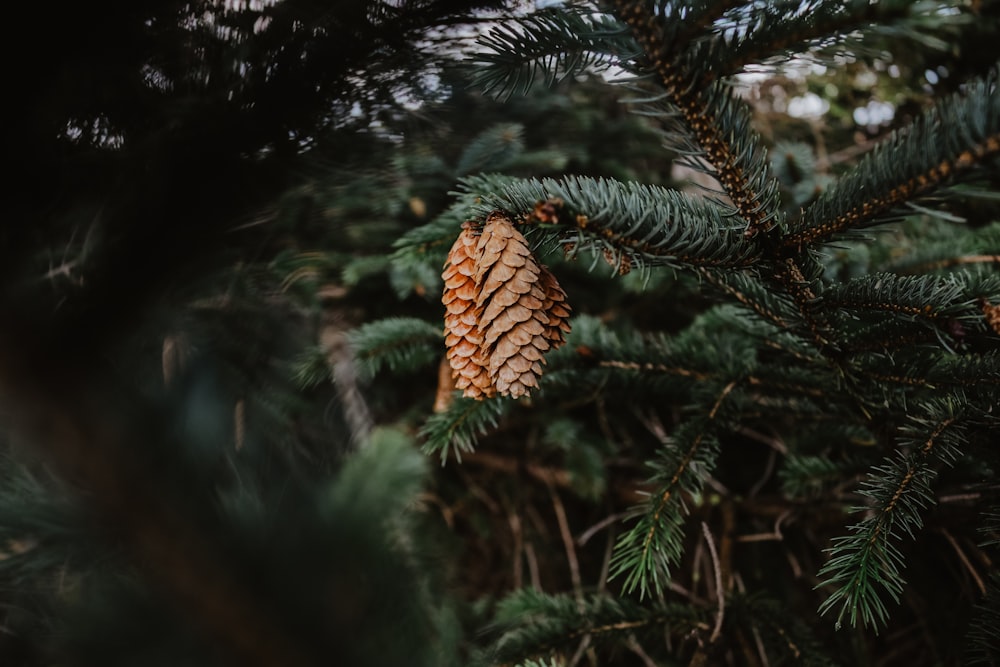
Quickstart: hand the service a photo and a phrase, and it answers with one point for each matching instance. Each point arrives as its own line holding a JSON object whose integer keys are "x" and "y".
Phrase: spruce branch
{"x": 885, "y": 336}
{"x": 866, "y": 565}
{"x": 955, "y": 248}
{"x": 689, "y": 20}
{"x": 752, "y": 294}
{"x": 651, "y": 225}
{"x": 755, "y": 33}
{"x": 984, "y": 627}
{"x": 646, "y": 553}
{"x": 534, "y": 623}
{"x": 800, "y": 278}
{"x": 458, "y": 428}
{"x": 930, "y": 297}
{"x": 944, "y": 144}
{"x": 967, "y": 371}
{"x": 990, "y": 527}
{"x": 493, "y": 148}
{"x": 397, "y": 343}
{"x": 719, "y": 124}
{"x": 552, "y": 44}
{"x": 783, "y": 635}
{"x": 809, "y": 476}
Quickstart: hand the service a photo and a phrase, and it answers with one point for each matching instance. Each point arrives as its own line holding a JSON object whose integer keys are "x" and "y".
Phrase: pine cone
{"x": 556, "y": 307}
{"x": 463, "y": 339}
{"x": 504, "y": 311}
{"x": 513, "y": 321}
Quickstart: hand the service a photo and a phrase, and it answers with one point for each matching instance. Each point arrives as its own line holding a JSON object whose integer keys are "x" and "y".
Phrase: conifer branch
{"x": 784, "y": 28}
{"x": 984, "y": 627}
{"x": 534, "y": 623}
{"x": 397, "y": 343}
{"x": 808, "y": 476}
{"x": 651, "y": 367}
{"x": 646, "y": 553}
{"x": 867, "y": 564}
{"x": 458, "y": 428}
{"x": 554, "y": 44}
{"x": 749, "y": 294}
{"x": 697, "y": 19}
{"x": 719, "y": 124}
{"x": 884, "y": 336}
{"x": 955, "y": 248}
{"x": 785, "y": 636}
{"x": 924, "y": 296}
{"x": 943, "y": 144}
{"x": 651, "y": 225}
{"x": 952, "y": 262}
{"x": 791, "y": 275}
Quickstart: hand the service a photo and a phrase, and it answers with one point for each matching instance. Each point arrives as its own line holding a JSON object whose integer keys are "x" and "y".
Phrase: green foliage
{"x": 945, "y": 143}
{"x": 457, "y": 429}
{"x": 646, "y": 553}
{"x": 72, "y": 582}
{"x": 867, "y": 564}
{"x": 983, "y": 634}
{"x": 551, "y": 45}
{"x": 786, "y": 639}
{"x": 494, "y": 149}
{"x": 747, "y": 354}
{"x": 836, "y": 349}
{"x": 537, "y": 623}
{"x": 805, "y": 476}
{"x": 398, "y": 344}
{"x": 639, "y": 220}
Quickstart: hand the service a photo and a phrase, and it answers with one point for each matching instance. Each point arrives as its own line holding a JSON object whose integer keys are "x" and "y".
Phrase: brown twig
{"x": 719, "y": 592}
{"x": 568, "y": 544}
{"x": 965, "y": 560}
{"x": 585, "y": 536}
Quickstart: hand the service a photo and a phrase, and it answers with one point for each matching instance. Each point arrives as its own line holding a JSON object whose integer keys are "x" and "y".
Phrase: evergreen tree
{"x": 767, "y": 439}
{"x": 782, "y": 390}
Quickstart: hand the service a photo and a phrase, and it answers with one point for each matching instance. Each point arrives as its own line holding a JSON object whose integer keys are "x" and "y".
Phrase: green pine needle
{"x": 458, "y": 428}
{"x": 398, "y": 343}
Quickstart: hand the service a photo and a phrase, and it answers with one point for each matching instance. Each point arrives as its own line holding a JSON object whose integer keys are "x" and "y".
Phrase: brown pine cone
{"x": 513, "y": 321}
{"x": 504, "y": 311}
{"x": 556, "y": 307}
{"x": 463, "y": 340}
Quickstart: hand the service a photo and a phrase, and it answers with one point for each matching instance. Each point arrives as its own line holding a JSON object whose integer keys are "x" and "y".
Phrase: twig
{"x": 774, "y": 535}
{"x": 567, "y": 539}
{"x": 965, "y": 561}
{"x": 635, "y": 647}
{"x": 959, "y": 497}
{"x": 609, "y": 547}
{"x": 726, "y": 545}
{"x": 529, "y": 556}
{"x": 774, "y": 443}
{"x": 554, "y": 476}
{"x": 793, "y": 563}
{"x": 478, "y": 492}
{"x": 580, "y": 650}
{"x": 738, "y": 582}
{"x": 719, "y": 593}
{"x": 768, "y": 470}
{"x": 599, "y": 526}
{"x": 680, "y": 590}
{"x": 515, "y": 529}
{"x": 954, "y": 261}
{"x": 760, "y": 645}
{"x": 447, "y": 513}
